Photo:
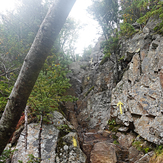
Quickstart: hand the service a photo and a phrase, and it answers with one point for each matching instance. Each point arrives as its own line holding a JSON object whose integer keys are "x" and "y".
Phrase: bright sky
{"x": 7, "y": 5}
{"x": 87, "y": 36}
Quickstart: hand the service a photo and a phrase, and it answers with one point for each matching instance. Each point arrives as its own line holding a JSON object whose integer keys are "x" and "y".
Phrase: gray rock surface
{"x": 49, "y": 143}
{"x": 68, "y": 151}
{"x": 136, "y": 81}
{"x": 140, "y": 90}
{"x": 94, "y": 102}
{"x": 138, "y": 85}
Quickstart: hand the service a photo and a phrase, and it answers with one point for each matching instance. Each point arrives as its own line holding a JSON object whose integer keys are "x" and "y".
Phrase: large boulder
{"x": 48, "y": 141}
{"x": 103, "y": 152}
{"x": 68, "y": 150}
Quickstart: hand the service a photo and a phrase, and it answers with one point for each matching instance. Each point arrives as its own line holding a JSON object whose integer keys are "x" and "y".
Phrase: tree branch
{"x": 9, "y": 72}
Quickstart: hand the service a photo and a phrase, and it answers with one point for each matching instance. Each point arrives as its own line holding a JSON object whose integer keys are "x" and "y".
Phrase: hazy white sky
{"x": 87, "y": 36}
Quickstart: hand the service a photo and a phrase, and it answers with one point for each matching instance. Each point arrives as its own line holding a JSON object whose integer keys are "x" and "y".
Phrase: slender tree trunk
{"x": 39, "y": 139}
{"x": 32, "y": 65}
{"x": 26, "y": 126}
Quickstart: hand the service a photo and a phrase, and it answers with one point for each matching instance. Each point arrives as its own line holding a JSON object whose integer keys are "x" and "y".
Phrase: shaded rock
{"x": 136, "y": 25}
{"x": 78, "y": 68}
{"x": 103, "y": 152}
{"x": 91, "y": 138}
{"x": 94, "y": 103}
{"x": 134, "y": 154}
{"x": 155, "y": 44}
{"x": 152, "y": 23}
{"x": 125, "y": 140}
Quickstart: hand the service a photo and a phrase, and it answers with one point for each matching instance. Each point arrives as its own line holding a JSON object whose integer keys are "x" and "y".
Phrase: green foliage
{"x": 68, "y": 37}
{"x": 159, "y": 150}
{"x": 146, "y": 150}
{"x": 64, "y": 128}
{"x": 134, "y": 9}
{"x": 49, "y": 89}
{"x": 113, "y": 126}
{"x": 115, "y": 142}
{"x": 139, "y": 145}
{"x": 33, "y": 159}
{"x": 5, "y": 89}
{"x": 159, "y": 28}
{"x": 122, "y": 58}
{"x": 127, "y": 30}
{"x": 17, "y": 32}
{"x": 105, "y": 58}
{"x": 109, "y": 47}
{"x": 6, "y": 154}
{"x": 106, "y": 13}
{"x": 112, "y": 122}
{"x": 156, "y": 11}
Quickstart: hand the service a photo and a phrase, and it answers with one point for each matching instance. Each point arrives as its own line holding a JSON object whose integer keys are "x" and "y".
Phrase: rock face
{"x": 140, "y": 89}
{"x": 50, "y": 141}
{"x": 138, "y": 86}
{"x": 136, "y": 81}
{"x": 94, "y": 104}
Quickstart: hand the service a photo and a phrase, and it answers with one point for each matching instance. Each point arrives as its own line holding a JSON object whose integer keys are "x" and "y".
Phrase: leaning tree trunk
{"x": 32, "y": 65}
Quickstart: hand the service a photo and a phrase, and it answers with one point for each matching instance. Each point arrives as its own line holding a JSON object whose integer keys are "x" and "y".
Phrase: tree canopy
{"x": 33, "y": 62}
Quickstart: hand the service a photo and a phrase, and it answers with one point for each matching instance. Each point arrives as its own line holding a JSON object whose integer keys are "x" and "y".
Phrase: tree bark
{"x": 32, "y": 65}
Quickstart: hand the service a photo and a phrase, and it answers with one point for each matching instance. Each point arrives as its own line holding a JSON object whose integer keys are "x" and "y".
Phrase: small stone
{"x": 123, "y": 129}
{"x": 146, "y": 30}
{"x": 161, "y": 134}
{"x": 65, "y": 147}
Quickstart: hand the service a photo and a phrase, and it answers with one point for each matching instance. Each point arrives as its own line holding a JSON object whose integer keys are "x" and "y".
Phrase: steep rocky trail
{"x": 95, "y": 128}
{"x": 139, "y": 89}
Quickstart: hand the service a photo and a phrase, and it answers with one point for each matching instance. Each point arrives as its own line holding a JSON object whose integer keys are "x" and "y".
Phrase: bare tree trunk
{"x": 39, "y": 140}
{"x": 26, "y": 126}
{"x": 32, "y": 65}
